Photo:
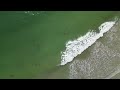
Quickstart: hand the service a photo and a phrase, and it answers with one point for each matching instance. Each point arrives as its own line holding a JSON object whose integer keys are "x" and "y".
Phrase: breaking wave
{"x": 76, "y": 47}
{"x": 103, "y": 60}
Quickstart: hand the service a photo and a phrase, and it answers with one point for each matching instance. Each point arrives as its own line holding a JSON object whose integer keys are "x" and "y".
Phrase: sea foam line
{"x": 76, "y": 47}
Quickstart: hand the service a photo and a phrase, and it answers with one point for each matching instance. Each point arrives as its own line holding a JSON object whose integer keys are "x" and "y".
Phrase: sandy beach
{"x": 101, "y": 60}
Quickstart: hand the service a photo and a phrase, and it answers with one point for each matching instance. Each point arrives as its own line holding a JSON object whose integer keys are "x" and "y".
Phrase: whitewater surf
{"x": 102, "y": 60}
{"x": 76, "y": 47}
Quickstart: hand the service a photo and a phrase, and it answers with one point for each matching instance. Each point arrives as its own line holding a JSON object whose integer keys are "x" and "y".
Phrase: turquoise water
{"x": 31, "y": 42}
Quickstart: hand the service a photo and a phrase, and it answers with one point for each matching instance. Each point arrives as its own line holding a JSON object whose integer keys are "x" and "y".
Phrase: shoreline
{"x": 102, "y": 61}
{"x": 76, "y": 47}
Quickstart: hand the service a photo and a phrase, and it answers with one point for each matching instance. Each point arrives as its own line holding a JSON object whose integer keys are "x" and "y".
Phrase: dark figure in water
{"x": 65, "y": 33}
{"x": 11, "y": 76}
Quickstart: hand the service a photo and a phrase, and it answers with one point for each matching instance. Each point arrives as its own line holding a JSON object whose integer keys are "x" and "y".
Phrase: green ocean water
{"x": 31, "y": 42}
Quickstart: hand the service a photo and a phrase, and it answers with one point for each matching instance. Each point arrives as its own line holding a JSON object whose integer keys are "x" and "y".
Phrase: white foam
{"x": 76, "y": 47}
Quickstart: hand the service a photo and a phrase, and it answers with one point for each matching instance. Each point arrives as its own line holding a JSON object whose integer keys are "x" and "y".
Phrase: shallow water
{"x": 31, "y": 42}
{"x": 103, "y": 60}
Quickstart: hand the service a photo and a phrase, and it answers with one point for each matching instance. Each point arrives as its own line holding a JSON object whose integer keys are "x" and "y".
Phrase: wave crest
{"x": 76, "y": 47}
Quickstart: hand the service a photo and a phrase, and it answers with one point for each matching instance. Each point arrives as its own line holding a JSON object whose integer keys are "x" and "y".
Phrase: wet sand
{"x": 101, "y": 60}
